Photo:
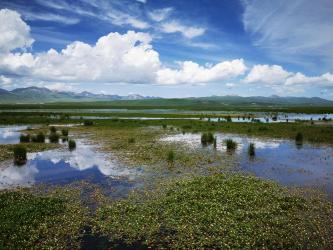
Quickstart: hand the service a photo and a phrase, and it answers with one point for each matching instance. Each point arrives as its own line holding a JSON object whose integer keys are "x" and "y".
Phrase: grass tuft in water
{"x": 64, "y": 132}
{"x": 207, "y": 138}
{"x": 54, "y": 137}
{"x": 53, "y": 129}
{"x": 299, "y": 139}
{"x": 71, "y": 145}
{"x": 251, "y": 150}
{"x": 25, "y": 138}
{"x": 230, "y": 144}
{"x": 20, "y": 155}
{"x": 40, "y": 138}
{"x": 171, "y": 156}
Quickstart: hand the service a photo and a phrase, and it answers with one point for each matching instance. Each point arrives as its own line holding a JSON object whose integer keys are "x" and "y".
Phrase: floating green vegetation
{"x": 71, "y": 145}
{"x": 64, "y": 132}
{"x": 30, "y": 221}
{"x": 230, "y": 144}
{"x": 20, "y": 155}
{"x": 251, "y": 150}
{"x": 299, "y": 139}
{"x": 54, "y": 137}
{"x": 25, "y": 138}
{"x": 207, "y": 138}
{"x": 219, "y": 212}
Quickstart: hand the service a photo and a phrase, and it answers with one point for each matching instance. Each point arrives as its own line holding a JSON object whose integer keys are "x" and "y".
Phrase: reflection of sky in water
{"x": 10, "y": 134}
{"x": 63, "y": 167}
{"x": 278, "y": 160}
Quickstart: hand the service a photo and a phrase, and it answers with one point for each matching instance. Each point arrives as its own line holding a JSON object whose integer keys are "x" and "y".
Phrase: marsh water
{"x": 280, "y": 160}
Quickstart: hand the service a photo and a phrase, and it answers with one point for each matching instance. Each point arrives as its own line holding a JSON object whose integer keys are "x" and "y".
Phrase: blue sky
{"x": 169, "y": 48}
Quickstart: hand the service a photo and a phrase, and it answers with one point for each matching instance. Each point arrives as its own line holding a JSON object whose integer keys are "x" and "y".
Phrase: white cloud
{"x": 50, "y": 18}
{"x": 186, "y": 31}
{"x": 291, "y": 30}
{"x": 269, "y": 74}
{"x": 276, "y": 76}
{"x": 5, "y": 81}
{"x": 14, "y": 32}
{"x": 191, "y": 72}
{"x": 159, "y": 15}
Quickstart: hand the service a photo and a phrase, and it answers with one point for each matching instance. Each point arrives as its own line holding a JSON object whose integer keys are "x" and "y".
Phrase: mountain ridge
{"x": 44, "y": 95}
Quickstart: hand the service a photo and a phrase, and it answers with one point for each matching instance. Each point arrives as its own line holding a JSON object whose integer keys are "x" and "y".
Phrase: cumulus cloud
{"x": 186, "y": 31}
{"x": 275, "y": 75}
{"x": 191, "y": 72}
{"x": 14, "y": 32}
{"x": 120, "y": 58}
{"x": 269, "y": 74}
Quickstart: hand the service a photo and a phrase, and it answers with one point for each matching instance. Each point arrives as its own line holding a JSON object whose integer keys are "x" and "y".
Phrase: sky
{"x": 169, "y": 48}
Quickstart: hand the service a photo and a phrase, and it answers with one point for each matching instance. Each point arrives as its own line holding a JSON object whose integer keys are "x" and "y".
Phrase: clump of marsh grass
{"x": 131, "y": 140}
{"x": 251, "y": 150}
{"x": 164, "y": 126}
{"x": 25, "y": 138}
{"x": 230, "y": 144}
{"x": 207, "y": 138}
{"x": 20, "y": 155}
{"x": 64, "y": 132}
{"x": 53, "y": 129}
{"x": 88, "y": 123}
{"x": 299, "y": 139}
{"x": 71, "y": 145}
{"x": 40, "y": 138}
{"x": 54, "y": 137}
{"x": 171, "y": 156}
{"x": 215, "y": 143}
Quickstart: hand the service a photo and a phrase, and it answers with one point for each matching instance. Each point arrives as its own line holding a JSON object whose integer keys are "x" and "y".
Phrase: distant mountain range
{"x": 44, "y": 95}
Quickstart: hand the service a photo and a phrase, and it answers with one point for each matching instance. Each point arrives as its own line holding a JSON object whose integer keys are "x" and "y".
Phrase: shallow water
{"x": 279, "y": 160}
{"x": 61, "y": 167}
{"x": 10, "y": 134}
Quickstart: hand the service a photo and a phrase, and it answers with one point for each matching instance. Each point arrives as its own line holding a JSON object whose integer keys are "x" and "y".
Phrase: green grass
{"x": 221, "y": 212}
{"x": 31, "y": 221}
{"x": 207, "y": 138}
{"x": 230, "y": 144}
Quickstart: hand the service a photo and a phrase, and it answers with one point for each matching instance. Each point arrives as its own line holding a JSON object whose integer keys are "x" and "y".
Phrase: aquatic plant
{"x": 88, "y": 123}
{"x": 41, "y": 221}
{"x": 251, "y": 150}
{"x": 71, "y": 145}
{"x": 299, "y": 139}
{"x": 54, "y": 137}
{"x": 230, "y": 144}
{"x": 53, "y": 129}
{"x": 171, "y": 156}
{"x": 25, "y": 138}
{"x": 20, "y": 154}
{"x": 131, "y": 140}
{"x": 215, "y": 142}
{"x": 219, "y": 212}
{"x": 228, "y": 118}
{"x": 40, "y": 137}
{"x": 64, "y": 132}
{"x": 207, "y": 138}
